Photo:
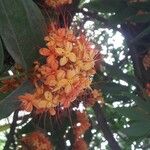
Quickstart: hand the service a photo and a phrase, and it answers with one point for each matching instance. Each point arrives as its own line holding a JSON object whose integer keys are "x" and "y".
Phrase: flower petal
{"x": 71, "y": 73}
{"x": 48, "y": 95}
{"x": 44, "y": 51}
{"x": 60, "y": 74}
{"x": 68, "y": 89}
{"x": 63, "y": 61}
{"x": 60, "y": 51}
{"x": 72, "y": 57}
{"x": 41, "y": 104}
{"x": 68, "y": 46}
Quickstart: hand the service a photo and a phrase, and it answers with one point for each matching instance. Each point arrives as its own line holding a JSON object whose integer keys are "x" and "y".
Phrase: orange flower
{"x": 146, "y": 61}
{"x": 10, "y": 84}
{"x": 80, "y": 144}
{"x": 82, "y": 124}
{"x": 36, "y": 141}
{"x": 57, "y": 3}
{"x": 95, "y": 96}
{"x": 27, "y": 101}
{"x": 147, "y": 89}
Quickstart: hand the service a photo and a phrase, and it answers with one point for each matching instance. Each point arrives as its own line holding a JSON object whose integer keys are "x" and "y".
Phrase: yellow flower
{"x": 66, "y": 54}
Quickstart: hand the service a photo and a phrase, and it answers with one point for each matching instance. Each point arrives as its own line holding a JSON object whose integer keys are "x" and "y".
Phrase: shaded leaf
{"x": 21, "y": 29}
{"x": 140, "y": 18}
{"x": 11, "y": 103}
{"x": 142, "y": 34}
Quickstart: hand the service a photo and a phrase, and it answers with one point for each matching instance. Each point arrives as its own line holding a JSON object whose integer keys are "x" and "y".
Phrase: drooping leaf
{"x": 22, "y": 30}
{"x": 138, "y": 129}
{"x": 1, "y": 56}
{"x": 11, "y": 102}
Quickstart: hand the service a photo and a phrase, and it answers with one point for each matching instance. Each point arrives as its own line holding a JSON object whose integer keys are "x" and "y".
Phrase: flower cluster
{"x": 57, "y": 3}
{"x": 67, "y": 71}
{"x": 79, "y": 129}
{"x": 80, "y": 144}
{"x": 36, "y": 141}
{"x": 146, "y": 61}
{"x": 82, "y": 125}
{"x": 93, "y": 97}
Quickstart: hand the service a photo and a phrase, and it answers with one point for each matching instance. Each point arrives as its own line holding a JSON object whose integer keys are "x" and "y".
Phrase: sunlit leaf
{"x": 4, "y": 127}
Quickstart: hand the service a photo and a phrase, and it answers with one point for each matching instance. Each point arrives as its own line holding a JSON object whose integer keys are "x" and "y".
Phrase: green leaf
{"x": 1, "y": 56}
{"x": 118, "y": 74}
{"x": 142, "y": 103}
{"x": 11, "y": 102}
{"x": 138, "y": 129}
{"x": 114, "y": 88}
{"x": 3, "y": 95}
{"x": 133, "y": 113}
{"x": 105, "y": 6}
{"x": 4, "y": 127}
{"x": 21, "y": 29}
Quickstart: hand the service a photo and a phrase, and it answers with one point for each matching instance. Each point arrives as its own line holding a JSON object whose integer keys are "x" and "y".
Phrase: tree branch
{"x": 95, "y": 15}
{"x": 102, "y": 122}
{"x": 10, "y": 136}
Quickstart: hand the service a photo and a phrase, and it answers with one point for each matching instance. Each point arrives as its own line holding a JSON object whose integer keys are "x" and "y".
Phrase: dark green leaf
{"x": 133, "y": 113}
{"x": 106, "y": 6}
{"x": 11, "y": 102}
{"x": 138, "y": 129}
{"x": 142, "y": 34}
{"x": 21, "y": 28}
{"x": 117, "y": 73}
{"x": 140, "y": 18}
{"x": 142, "y": 103}
{"x": 114, "y": 88}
